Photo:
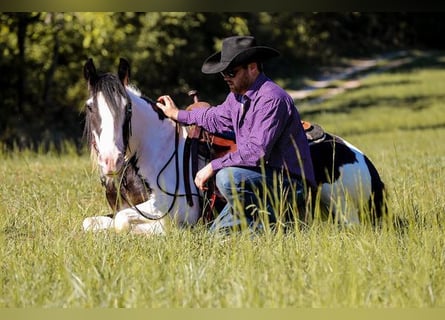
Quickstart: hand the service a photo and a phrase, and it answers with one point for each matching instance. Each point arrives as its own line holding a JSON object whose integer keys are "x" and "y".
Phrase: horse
{"x": 138, "y": 152}
{"x": 140, "y": 156}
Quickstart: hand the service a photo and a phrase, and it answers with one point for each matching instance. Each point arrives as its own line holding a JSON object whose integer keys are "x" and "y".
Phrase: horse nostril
{"x": 111, "y": 164}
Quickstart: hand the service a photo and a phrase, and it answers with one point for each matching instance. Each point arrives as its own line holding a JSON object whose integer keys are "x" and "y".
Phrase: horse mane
{"x": 87, "y": 131}
{"x": 133, "y": 89}
{"x": 111, "y": 88}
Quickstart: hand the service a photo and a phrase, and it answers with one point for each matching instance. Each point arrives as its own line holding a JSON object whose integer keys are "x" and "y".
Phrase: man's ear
{"x": 253, "y": 67}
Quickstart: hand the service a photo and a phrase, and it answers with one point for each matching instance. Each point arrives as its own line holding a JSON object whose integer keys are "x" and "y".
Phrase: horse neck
{"x": 152, "y": 139}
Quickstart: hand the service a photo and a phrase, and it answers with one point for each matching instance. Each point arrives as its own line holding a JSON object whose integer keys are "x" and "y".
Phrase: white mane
{"x": 133, "y": 89}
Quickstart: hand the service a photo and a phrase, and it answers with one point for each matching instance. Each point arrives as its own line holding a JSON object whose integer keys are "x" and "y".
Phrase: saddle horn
{"x": 124, "y": 71}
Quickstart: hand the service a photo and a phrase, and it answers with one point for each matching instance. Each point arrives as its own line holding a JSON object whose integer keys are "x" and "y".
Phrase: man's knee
{"x": 224, "y": 179}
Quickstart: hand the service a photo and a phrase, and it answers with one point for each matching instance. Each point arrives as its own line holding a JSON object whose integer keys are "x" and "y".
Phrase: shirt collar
{"x": 253, "y": 90}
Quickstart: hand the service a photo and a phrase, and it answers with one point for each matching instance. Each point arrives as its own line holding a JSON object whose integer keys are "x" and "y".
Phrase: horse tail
{"x": 377, "y": 201}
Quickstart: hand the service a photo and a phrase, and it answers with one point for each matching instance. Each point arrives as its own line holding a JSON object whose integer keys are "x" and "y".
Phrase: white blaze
{"x": 109, "y": 142}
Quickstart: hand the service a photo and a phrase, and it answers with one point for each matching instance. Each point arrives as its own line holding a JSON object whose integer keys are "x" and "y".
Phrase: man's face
{"x": 238, "y": 78}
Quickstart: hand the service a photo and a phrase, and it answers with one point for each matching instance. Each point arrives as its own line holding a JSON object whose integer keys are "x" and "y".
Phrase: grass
{"x": 396, "y": 118}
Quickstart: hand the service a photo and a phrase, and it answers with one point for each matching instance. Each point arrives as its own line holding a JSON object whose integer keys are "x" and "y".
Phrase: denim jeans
{"x": 256, "y": 197}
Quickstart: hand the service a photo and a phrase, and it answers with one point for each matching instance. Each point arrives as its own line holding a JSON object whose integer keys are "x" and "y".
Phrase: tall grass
{"x": 48, "y": 261}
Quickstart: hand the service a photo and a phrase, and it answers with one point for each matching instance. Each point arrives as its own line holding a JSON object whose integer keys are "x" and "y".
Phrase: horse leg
{"x": 129, "y": 220}
{"x": 97, "y": 223}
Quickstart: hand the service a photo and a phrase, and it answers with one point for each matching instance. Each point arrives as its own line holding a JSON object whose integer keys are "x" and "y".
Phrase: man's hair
{"x": 258, "y": 63}
{"x": 260, "y": 66}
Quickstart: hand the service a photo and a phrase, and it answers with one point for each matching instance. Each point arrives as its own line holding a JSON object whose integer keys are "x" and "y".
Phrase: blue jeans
{"x": 256, "y": 197}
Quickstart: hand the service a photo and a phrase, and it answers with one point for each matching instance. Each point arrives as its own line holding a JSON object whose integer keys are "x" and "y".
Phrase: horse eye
{"x": 89, "y": 105}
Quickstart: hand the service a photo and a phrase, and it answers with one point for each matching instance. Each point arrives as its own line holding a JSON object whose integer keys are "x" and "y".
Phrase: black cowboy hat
{"x": 236, "y": 51}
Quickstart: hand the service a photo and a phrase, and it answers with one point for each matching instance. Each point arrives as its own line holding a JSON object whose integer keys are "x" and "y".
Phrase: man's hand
{"x": 202, "y": 176}
{"x": 168, "y": 106}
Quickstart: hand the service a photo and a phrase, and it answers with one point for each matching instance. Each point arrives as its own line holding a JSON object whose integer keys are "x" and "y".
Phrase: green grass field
{"x": 397, "y": 118}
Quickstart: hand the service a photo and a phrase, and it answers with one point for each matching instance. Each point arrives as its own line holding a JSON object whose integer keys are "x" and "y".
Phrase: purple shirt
{"x": 270, "y": 129}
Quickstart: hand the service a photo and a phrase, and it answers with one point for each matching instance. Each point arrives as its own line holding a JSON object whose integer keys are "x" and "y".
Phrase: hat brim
{"x": 213, "y": 64}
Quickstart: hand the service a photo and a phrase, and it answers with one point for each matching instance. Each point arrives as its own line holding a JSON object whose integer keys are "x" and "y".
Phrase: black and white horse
{"x": 139, "y": 153}
{"x": 349, "y": 186}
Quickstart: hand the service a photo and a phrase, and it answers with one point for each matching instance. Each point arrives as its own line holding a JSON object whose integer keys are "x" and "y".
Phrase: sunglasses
{"x": 230, "y": 73}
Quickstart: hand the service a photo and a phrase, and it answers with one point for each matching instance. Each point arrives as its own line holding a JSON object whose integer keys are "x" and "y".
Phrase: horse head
{"x": 108, "y": 115}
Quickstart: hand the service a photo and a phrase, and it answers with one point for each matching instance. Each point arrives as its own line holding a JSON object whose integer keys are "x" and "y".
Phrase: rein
{"x": 127, "y": 134}
{"x": 176, "y": 155}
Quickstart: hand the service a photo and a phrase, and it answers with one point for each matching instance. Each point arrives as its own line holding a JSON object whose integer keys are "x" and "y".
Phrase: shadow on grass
{"x": 386, "y": 83}
{"x": 423, "y": 127}
{"x": 415, "y": 103}
{"x": 434, "y": 60}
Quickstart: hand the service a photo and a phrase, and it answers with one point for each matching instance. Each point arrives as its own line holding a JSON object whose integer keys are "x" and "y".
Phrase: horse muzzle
{"x": 111, "y": 166}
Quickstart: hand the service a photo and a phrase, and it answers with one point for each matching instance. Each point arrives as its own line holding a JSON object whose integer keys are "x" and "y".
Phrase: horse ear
{"x": 124, "y": 71}
{"x": 89, "y": 71}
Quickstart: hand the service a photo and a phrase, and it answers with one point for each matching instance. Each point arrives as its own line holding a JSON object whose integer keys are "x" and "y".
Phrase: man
{"x": 272, "y": 150}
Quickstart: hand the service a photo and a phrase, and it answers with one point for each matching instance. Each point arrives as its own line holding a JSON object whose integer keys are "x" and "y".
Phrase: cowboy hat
{"x": 236, "y": 51}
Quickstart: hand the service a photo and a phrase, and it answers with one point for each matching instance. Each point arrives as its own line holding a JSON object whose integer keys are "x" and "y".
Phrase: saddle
{"x": 200, "y": 142}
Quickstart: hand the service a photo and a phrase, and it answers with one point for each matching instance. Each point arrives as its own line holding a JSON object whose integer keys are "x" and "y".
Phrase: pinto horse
{"x": 147, "y": 184}
{"x": 138, "y": 152}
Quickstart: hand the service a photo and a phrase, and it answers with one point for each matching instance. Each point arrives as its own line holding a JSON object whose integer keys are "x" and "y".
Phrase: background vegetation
{"x": 42, "y": 55}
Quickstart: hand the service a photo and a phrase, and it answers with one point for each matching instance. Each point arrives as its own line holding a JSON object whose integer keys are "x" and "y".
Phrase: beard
{"x": 239, "y": 85}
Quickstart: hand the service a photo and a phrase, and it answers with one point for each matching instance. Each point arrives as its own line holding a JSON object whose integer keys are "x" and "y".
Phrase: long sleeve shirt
{"x": 267, "y": 129}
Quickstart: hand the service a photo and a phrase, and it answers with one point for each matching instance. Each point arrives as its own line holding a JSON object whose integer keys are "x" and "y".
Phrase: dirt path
{"x": 335, "y": 81}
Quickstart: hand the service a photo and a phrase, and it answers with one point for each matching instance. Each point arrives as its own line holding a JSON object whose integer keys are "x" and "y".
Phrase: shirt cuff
{"x": 217, "y": 164}
{"x": 183, "y": 116}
